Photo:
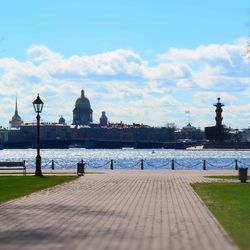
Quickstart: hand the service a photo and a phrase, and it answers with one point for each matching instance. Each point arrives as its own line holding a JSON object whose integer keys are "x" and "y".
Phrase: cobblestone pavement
{"x": 118, "y": 210}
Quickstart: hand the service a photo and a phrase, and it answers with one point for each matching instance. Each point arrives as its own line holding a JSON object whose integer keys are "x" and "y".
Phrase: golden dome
{"x": 83, "y": 100}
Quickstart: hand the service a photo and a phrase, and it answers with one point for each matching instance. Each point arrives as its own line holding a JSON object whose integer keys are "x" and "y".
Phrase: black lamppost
{"x": 38, "y": 107}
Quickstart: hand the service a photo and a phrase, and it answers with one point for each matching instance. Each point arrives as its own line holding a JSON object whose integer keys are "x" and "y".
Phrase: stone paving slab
{"x": 119, "y": 210}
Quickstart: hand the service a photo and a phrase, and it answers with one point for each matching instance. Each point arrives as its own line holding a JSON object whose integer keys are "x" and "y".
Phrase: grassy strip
{"x": 12, "y": 187}
{"x": 225, "y": 177}
{"x": 230, "y": 203}
{"x": 47, "y": 173}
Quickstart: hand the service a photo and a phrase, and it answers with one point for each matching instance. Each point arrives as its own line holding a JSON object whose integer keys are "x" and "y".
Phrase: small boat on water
{"x": 200, "y": 147}
{"x": 75, "y": 145}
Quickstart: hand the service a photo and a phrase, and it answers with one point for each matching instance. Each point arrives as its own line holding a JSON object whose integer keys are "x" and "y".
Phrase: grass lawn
{"x": 12, "y": 187}
{"x": 230, "y": 203}
{"x": 227, "y": 177}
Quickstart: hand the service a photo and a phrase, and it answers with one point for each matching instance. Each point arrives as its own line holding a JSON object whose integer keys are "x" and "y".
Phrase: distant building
{"x": 62, "y": 121}
{"x": 122, "y": 135}
{"x": 189, "y": 128}
{"x": 189, "y": 132}
{"x": 82, "y": 113}
{"x": 16, "y": 120}
{"x": 52, "y": 135}
{"x": 49, "y": 131}
{"x": 85, "y": 133}
{"x": 3, "y": 135}
{"x": 103, "y": 119}
{"x": 245, "y": 135}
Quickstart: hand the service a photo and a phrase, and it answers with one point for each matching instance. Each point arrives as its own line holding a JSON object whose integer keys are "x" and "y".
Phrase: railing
{"x": 142, "y": 164}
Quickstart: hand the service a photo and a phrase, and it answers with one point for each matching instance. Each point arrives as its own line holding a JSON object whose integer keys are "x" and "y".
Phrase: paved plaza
{"x": 117, "y": 210}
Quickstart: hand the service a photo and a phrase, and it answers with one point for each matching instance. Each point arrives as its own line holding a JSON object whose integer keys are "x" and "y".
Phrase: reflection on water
{"x": 129, "y": 158}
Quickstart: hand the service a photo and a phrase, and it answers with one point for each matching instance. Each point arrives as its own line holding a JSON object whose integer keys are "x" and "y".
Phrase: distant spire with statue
{"x": 218, "y": 111}
{"x": 219, "y": 132}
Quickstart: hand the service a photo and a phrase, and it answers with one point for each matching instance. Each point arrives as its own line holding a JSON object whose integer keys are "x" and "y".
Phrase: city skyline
{"x": 89, "y": 122}
{"x": 140, "y": 63}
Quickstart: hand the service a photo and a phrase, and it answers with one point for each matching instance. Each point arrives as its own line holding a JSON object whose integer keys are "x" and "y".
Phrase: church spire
{"x": 16, "y": 110}
{"x": 16, "y": 121}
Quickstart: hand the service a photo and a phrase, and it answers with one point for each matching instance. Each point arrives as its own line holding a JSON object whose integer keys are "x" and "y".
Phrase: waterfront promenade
{"x": 116, "y": 210}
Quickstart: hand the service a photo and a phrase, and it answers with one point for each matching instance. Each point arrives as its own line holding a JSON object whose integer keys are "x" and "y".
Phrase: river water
{"x": 130, "y": 158}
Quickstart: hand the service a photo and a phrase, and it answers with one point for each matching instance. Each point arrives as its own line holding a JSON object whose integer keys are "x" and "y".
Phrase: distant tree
{"x": 171, "y": 125}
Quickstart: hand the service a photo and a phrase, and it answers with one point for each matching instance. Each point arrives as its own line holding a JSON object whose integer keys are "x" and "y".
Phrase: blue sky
{"x": 141, "y": 61}
{"x": 89, "y": 27}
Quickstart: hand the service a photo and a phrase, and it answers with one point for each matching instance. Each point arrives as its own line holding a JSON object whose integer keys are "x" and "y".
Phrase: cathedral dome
{"x": 83, "y": 100}
{"x": 82, "y": 113}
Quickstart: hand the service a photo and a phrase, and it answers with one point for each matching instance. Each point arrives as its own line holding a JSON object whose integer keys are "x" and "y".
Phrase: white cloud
{"x": 40, "y": 53}
{"x": 209, "y": 53}
{"x": 128, "y": 87}
{"x": 169, "y": 71}
{"x": 206, "y": 97}
{"x": 184, "y": 83}
{"x": 109, "y": 63}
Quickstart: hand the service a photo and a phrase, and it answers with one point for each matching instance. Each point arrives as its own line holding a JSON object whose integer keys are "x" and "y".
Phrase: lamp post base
{"x": 38, "y": 171}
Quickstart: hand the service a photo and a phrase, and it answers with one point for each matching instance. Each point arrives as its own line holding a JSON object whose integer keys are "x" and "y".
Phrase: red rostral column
{"x": 218, "y": 111}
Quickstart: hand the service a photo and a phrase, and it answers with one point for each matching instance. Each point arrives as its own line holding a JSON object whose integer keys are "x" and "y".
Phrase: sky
{"x": 140, "y": 61}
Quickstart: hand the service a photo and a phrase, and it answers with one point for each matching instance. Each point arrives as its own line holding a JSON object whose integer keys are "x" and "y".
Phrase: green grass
{"x": 12, "y": 187}
{"x": 230, "y": 203}
{"x": 227, "y": 177}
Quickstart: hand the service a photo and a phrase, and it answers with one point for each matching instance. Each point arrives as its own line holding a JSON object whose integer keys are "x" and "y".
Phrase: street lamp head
{"x": 38, "y": 105}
